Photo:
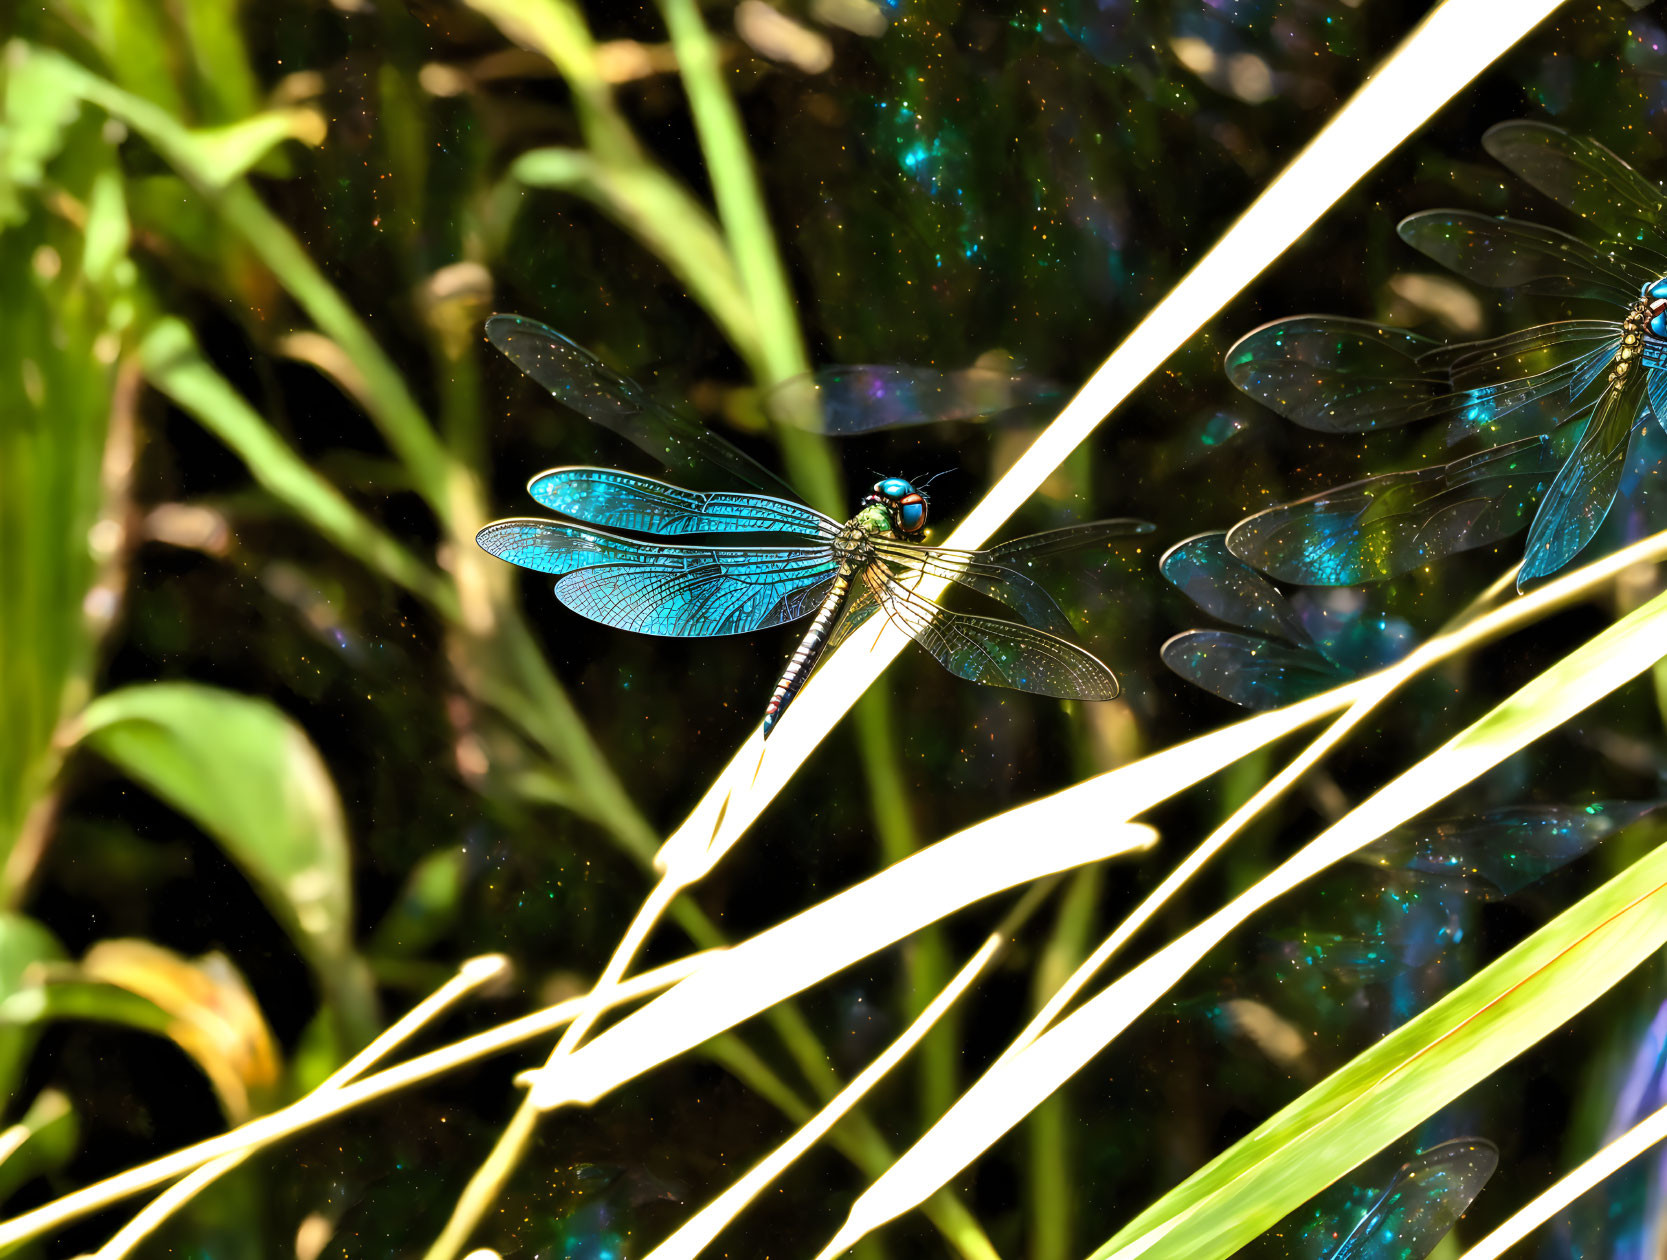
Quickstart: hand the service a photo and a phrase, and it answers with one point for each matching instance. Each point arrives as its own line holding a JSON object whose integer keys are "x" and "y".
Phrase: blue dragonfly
{"x": 1415, "y": 1211}
{"x": 838, "y": 574}
{"x": 1300, "y": 646}
{"x": 1562, "y": 405}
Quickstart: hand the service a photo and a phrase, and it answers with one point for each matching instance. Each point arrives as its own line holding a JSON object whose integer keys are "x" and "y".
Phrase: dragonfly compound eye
{"x": 1655, "y": 290}
{"x": 894, "y": 488}
{"x": 911, "y": 513}
{"x": 1657, "y": 325}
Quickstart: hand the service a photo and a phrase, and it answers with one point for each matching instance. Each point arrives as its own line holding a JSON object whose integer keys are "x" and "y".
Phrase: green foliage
{"x": 248, "y": 776}
{"x": 24, "y": 946}
{"x": 203, "y": 321}
{"x": 64, "y": 305}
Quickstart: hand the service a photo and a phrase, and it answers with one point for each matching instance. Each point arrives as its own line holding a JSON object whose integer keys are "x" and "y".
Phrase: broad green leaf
{"x": 202, "y": 1005}
{"x": 1410, "y": 1074}
{"x": 246, "y": 774}
{"x": 24, "y": 946}
{"x": 42, "y": 1141}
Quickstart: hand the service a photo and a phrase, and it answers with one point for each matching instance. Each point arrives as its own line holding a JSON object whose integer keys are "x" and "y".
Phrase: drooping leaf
{"x": 246, "y": 774}
{"x": 202, "y": 1005}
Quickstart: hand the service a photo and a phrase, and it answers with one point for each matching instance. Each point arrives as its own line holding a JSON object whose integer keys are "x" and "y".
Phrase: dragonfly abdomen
{"x": 806, "y": 654}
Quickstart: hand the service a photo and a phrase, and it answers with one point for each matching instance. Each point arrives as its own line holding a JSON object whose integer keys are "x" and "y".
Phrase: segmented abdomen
{"x": 805, "y": 655}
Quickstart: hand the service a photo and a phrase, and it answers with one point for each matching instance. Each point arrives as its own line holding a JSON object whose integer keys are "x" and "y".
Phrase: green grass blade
{"x": 1410, "y": 1074}
{"x": 175, "y": 366}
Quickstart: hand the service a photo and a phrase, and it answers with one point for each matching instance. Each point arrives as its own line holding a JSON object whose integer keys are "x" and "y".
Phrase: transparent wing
{"x": 580, "y": 380}
{"x": 605, "y": 496}
{"x": 1336, "y": 375}
{"x": 863, "y": 397}
{"x": 1497, "y": 853}
{"x": 1582, "y": 175}
{"x": 1584, "y": 489}
{"x": 1249, "y": 671}
{"x": 658, "y": 588}
{"x": 1384, "y": 526}
{"x": 995, "y": 572}
{"x": 1339, "y": 375}
{"x": 1224, "y": 586}
{"x": 994, "y": 653}
{"x": 1424, "y": 1200}
{"x": 860, "y": 605}
{"x": 1511, "y": 254}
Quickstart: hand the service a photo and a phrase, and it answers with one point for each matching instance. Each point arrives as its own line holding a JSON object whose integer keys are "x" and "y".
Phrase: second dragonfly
{"x": 842, "y": 573}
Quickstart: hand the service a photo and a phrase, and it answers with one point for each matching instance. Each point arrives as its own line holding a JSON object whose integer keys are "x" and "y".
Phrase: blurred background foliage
{"x": 281, "y": 746}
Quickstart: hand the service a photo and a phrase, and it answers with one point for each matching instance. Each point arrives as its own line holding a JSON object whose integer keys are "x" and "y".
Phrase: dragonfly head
{"x": 904, "y": 504}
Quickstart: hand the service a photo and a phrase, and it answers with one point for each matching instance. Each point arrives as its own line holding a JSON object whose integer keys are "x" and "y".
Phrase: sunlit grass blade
{"x": 763, "y": 970}
{"x": 697, "y": 1232}
{"x": 322, "y": 1105}
{"x": 471, "y": 976}
{"x": 1648, "y": 1132}
{"x": 1417, "y": 1069}
{"x": 1011, "y": 1089}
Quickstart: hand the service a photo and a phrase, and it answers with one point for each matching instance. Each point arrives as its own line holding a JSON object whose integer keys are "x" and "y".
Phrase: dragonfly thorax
{"x": 853, "y": 547}
{"x": 1645, "y": 322}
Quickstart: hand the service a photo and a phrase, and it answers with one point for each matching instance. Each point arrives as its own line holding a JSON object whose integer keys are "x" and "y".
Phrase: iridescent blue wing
{"x": 1584, "y": 488}
{"x": 1349, "y": 631}
{"x": 1224, "y": 586}
{"x": 862, "y": 397}
{"x": 621, "y": 500}
{"x": 989, "y": 651}
{"x": 1424, "y": 1200}
{"x": 1525, "y": 382}
{"x": 1511, "y": 254}
{"x": 997, "y": 571}
{"x": 1384, "y": 526}
{"x": 1582, "y": 175}
{"x": 581, "y": 381}
{"x": 1497, "y": 853}
{"x": 659, "y": 588}
{"x": 1246, "y": 670}
{"x": 1339, "y": 375}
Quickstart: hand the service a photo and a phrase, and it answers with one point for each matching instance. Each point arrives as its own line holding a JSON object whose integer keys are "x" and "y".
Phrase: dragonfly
{"x": 1302, "y": 645}
{"x": 801, "y": 563}
{"x": 1562, "y": 405}
{"x": 1422, "y": 1202}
